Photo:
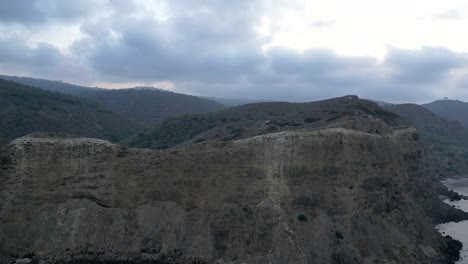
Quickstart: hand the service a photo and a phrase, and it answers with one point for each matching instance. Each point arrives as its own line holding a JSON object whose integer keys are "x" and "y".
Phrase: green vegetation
{"x": 256, "y": 119}
{"x": 173, "y": 131}
{"x": 432, "y": 128}
{"x": 25, "y": 109}
{"x": 451, "y": 110}
{"x": 389, "y": 117}
{"x": 311, "y": 120}
{"x": 447, "y": 140}
{"x": 151, "y": 106}
{"x": 147, "y": 106}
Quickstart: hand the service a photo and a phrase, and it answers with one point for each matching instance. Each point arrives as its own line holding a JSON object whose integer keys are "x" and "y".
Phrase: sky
{"x": 396, "y": 51}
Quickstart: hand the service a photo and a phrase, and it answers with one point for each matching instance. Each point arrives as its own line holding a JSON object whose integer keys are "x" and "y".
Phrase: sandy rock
{"x": 326, "y": 196}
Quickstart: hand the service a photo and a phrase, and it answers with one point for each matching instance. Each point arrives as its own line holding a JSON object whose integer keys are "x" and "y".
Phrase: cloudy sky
{"x": 398, "y": 51}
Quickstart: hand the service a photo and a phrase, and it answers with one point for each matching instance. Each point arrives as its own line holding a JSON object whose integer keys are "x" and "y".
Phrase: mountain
{"x": 24, "y": 109}
{"x": 145, "y": 105}
{"x": 381, "y": 103}
{"x": 336, "y": 181}
{"x": 256, "y": 119}
{"x": 450, "y": 109}
{"x": 235, "y": 101}
{"x": 447, "y": 140}
{"x": 433, "y": 127}
{"x": 149, "y": 106}
{"x": 56, "y": 86}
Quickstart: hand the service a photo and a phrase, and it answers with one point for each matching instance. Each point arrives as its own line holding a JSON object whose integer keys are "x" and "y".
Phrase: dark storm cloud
{"x": 202, "y": 42}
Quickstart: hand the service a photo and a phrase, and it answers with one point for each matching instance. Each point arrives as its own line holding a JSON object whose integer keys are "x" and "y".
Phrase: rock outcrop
{"x": 331, "y": 195}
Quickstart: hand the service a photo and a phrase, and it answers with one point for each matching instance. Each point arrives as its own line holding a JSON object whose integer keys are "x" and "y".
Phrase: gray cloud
{"x": 319, "y": 73}
{"x": 24, "y": 11}
{"x": 14, "y": 52}
{"x": 451, "y": 14}
{"x": 33, "y": 12}
{"x": 211, "y": 48}
{"x": 43, "y": 60}
{"x": 202, "y": 42}
{"x": 425, "y": 65}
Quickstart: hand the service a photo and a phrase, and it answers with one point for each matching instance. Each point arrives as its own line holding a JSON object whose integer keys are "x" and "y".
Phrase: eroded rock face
{"x": 326, "y": 196}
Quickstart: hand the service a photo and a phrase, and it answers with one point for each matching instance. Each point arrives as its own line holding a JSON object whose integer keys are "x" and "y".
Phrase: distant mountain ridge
{"x": 260, "y": 118}
{"x": 450, "y": 109}
{"x": 151, "y": 106}
{"x": 236, "y": 101}
{"x": 145, "y": 105}
{"x": 25, "y": 109}
{"x": 51, "y": 85}
{"x": 446, "y": 140}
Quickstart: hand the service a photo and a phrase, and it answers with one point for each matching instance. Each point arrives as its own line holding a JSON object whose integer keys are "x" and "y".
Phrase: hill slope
{"x": 352, "y": 190}
{"x": 447, "y": 140}
{"x": 151, "y": 106}
{"x": 262, "y": 118}
{"x": 144, "y": 105}
{"x": 450, "y": 109}
{"x": 24, "y": 109}
{"x": 56, "y": 86}
{"x": 235, "y": 101}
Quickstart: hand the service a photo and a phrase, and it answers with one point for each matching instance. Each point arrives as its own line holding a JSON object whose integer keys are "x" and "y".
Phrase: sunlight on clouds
{"x": 263, "y": 29}
{"x": 158, "y": 10}
{"x": 216, "y": 46}
{"x": 366, "y": 27}
{"x": 59, "y": 35}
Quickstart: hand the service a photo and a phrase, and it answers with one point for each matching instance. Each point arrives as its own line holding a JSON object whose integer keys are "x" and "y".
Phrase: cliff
{"x": 332, "y": 195}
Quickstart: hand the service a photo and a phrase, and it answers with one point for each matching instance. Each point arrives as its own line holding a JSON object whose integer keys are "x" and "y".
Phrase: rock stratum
{"x": 327, "y": 195}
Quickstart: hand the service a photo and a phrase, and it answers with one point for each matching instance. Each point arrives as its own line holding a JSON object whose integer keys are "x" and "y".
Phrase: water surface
{"x": 458, "y": 230}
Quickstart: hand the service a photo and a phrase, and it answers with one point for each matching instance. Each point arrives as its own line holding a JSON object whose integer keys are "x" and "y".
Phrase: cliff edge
{"x": 333, "y": 195}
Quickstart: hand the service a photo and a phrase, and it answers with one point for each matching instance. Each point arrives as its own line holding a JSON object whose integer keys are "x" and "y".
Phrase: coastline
{"x": 454, "y": 229}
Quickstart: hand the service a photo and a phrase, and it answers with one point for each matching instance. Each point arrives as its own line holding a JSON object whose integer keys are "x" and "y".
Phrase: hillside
{"x": 450, "y": 109}
{"x": 262, "y": 118}
{"x": 352, "y": 190}
{"x": 56, "y": 86}
{"x": 447, "y": 140}
{"x": 151, "y": 106}
{"x": 24, "y": 109}
{"x": 144, "y": 105}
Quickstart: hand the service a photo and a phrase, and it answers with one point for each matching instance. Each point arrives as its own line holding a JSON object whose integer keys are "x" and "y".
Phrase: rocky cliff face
{"x": 330, "y": 195}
